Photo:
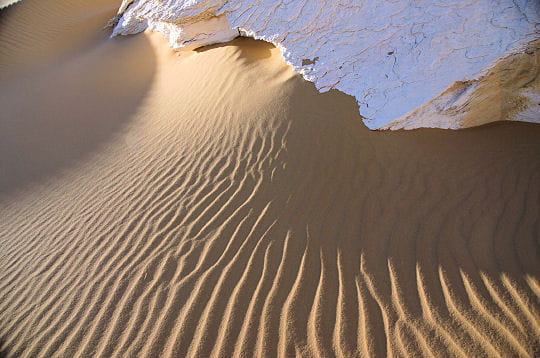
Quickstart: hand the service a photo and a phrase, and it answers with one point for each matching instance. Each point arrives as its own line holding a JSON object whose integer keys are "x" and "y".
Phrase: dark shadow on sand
{"x": 249, "y": 49}
{"x": 3, "y": 353}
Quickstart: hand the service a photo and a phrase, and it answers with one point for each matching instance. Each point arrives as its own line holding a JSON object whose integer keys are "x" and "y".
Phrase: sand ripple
{"x": 240, "y": 213}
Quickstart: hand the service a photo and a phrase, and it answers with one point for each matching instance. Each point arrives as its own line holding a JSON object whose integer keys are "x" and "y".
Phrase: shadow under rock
{"x": 249, "y": 49}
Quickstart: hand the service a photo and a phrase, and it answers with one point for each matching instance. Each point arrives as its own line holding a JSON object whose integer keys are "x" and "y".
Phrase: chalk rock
{"x": 507, "y": 89}
{"x": 6, "y": 3}
{"x": 392, "y": 56}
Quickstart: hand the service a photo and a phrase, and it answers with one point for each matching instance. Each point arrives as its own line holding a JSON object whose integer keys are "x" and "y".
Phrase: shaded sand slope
{"x": 235, "y": 211}
{"x": 40, "y": 32}
{"x": 57, "y": 102}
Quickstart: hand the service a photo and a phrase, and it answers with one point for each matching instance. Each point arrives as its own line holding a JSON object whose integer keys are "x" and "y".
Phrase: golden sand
{"x": 212, "y": 203}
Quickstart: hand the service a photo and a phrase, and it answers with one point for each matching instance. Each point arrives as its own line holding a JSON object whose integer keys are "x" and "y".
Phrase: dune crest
{"x": 221, "y": 206}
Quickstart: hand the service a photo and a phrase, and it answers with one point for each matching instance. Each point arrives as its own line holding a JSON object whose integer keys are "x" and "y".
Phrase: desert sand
{"x": 213, "y": 203}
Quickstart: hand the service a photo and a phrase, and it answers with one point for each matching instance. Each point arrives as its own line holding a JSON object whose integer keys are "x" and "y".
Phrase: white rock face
{"x": 6, "y": 3}
{"x": 507, "y": 89}
{"x": 392, "y": 56}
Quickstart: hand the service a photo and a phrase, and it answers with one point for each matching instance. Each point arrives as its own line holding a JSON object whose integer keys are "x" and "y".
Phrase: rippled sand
{"x": 213, "y": 203}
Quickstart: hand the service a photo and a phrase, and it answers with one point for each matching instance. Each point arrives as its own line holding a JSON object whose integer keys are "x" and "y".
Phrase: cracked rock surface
{"x": 508, "y": 89}
{"x": 392, "y": 56}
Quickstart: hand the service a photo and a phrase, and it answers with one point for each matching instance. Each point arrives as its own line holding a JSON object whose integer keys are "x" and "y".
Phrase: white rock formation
{"x": 392, "y": 56}
{"x": 6, "y": 3}
{"x": 507, "y": 89}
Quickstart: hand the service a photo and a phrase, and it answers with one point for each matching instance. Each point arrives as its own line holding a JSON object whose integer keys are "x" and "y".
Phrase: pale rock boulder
{"x": 6, "y": 3}
{"x": 507, "y": 89}
{"x": 393, "y": 56}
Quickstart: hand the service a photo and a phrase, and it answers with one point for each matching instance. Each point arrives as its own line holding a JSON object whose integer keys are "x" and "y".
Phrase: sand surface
{"x": 212, "y": 203}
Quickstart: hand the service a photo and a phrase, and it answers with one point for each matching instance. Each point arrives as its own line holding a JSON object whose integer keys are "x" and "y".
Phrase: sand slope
{"x": 213, "y": 203}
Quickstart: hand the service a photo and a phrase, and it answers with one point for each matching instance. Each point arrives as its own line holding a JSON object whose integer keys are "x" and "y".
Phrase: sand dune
{"x": 212, "y": 203}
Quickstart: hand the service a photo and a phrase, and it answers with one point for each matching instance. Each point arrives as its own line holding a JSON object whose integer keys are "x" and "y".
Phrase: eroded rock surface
{"x": 393, "y": 56}
{"x": 507, "y": 89}
{"x": 6, "y": 3}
